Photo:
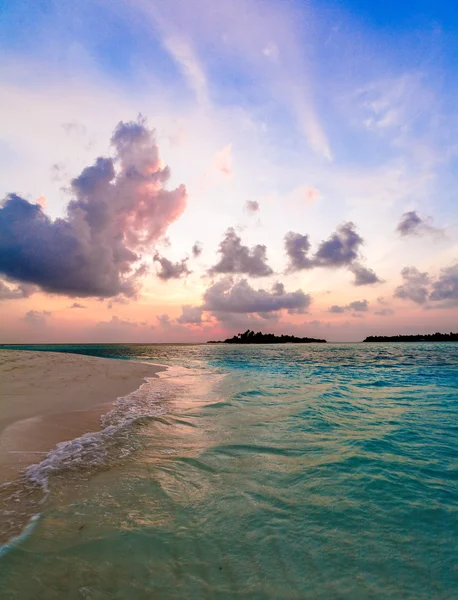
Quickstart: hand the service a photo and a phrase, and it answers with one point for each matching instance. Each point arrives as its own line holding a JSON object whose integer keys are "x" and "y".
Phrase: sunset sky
{"x": 182, "y": 170}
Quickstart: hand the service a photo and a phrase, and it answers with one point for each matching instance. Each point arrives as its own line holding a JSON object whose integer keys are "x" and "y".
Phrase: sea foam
{"x": 112, "y": 442}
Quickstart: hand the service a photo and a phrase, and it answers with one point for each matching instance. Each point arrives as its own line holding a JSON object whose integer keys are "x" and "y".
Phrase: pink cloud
{"x": 223, "y": 160}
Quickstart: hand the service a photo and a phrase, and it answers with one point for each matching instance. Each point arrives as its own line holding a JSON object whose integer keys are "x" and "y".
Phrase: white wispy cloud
{"x": 185, "y": 55}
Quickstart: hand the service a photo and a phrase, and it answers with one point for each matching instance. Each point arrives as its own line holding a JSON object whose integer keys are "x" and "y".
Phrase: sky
{"x": 181, "y": 171}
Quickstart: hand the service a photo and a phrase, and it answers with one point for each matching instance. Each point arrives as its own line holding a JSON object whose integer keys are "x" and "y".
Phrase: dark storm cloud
{"x": 114, "y": 216}
{"x": 297, "y": 247}
{"x": 412, "y": 223}
{"x": 445, "y": 288}
{"x": 170, "y": 270}
{"x": 236, "y": 258}
{"x": 363, "y": 275}
{"x": 225, "y": 296}
{"x": 252, "y": 206}
{"x": 415, "y": 285}
{"x": 197, "y": 250}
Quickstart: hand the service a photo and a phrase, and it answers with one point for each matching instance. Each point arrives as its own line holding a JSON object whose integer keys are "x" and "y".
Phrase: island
{"x": 250, "y": 337}
{"x": 429, "y": 337}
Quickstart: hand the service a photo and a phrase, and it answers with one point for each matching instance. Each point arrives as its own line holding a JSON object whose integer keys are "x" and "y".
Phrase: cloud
{"x": 356, "y": 306}
{"x": 190, "y": 315}
{"x": 243, "y": 321}
{"x": 41, "y": 201}
{"x": 117, "y": 300}
{"x": 336, "y": 309}
{"x": 341, "y": 249}
{"x": 223, "y": 160}
{"x": 164, "y": 321}
{"x": 236, "y": 258}
{"x": 314, "y": 323}
{"x": 219, "y": 170}
{"x": 74, "y": 128}
{"x": 118, "y": 330}
{"x": 420, "y": 287}
{"x": 77, "y": 305}
{"x": 309, "y": 122}
{"x": 252, "y": 206}
{"x": 359, "y": 305}
{"x": 409, "y": 224}
{"x": 227, "y": 296}
{"x": 303, "y": 194}
{"x": 311, "y": 194}
{"x": 297, "y": 247}
{"x": 412, "y": 223}
{"x": 197, "y": 249}
{"x": 36, "y": 317}
{"x": 384, "y": 312}
{"x": 415, "y": 286}
{"x": 184, "y": 54}
{"x": 363, "y": 275}
{"x": 268, "y": 47}
{"x": 172, "y": 329}
{"x": 120, "y": 207}
{"x": 20, "y": 291}
{"x": 445, "y": 288}
{"x": 170, "y": 270}
{"x": 116, "y": 323}
{"x": 58, "y": 173}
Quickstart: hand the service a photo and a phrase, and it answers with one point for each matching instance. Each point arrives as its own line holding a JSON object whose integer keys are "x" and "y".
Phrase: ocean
{"x": 260, "y": 472}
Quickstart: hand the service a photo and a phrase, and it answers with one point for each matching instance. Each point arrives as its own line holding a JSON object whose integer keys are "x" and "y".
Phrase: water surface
{"x": 306, "y": 472}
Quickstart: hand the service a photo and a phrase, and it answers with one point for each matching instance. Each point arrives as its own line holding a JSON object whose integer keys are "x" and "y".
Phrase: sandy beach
{"x": 50, "y": 397}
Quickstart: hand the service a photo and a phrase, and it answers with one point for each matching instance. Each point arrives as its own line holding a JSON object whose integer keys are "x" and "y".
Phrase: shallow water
{"x": 321, "y": 472}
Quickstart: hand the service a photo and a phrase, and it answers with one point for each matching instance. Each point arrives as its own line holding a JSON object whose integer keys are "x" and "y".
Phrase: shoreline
{"x": 51, "y": 397}
{"x": 48, "y": 398}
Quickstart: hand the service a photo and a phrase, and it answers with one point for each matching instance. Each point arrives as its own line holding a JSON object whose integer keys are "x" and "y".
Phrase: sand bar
{"x": 50, "y": 397}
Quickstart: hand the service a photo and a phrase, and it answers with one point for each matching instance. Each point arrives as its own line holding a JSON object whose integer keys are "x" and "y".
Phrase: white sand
{"x": 50, "y": 397}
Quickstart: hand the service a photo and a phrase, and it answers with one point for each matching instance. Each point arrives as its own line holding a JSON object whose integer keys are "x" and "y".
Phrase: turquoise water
{"x": 309, "y": 472}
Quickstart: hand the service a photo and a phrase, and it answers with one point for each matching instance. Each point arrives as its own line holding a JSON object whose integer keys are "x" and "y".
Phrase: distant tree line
{"x": 250, "y": 337}
{"x": 429, "y": 337}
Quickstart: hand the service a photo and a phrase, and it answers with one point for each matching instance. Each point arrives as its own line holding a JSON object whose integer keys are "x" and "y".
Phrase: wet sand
{"x": 50, "y": 397}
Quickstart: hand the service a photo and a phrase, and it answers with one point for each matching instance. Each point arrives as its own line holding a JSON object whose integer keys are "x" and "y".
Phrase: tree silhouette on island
{"x": 429, "y": 337}
{"x": 250, "y": 337}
